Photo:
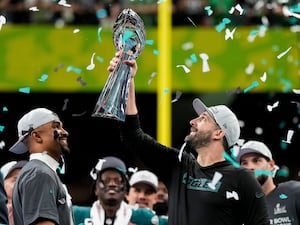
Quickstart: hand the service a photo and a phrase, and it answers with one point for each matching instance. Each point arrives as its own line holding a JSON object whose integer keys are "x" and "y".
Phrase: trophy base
{"x": 105, "y": 114}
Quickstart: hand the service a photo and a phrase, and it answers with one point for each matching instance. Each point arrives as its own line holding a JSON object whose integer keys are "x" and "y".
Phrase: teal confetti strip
{"x": 127, "y": 35}
{"x": 231, "y": 160}
{"x": 43, "y": 78}
{"x": 155, "y": 52}
{"x": 25, "y": 90}
{"x": 222, "y": 25}
{"x": 193, "y": 57}
{"x": 166, "y": 90}
{"x": 149, "y": 42}
{"x": 283, "y": 173}
{"x": 253, "y": 32}
{"x": 262, "y": 172}
{"x": 4, "y": 109}
{"x": 208, "y": 10}
{"x": 253, "y": 85}
{"x": 99, "y": 34}
{"x": 74, "y": 69}
{"x": 283, "y": 196}
{"x": 2, "y": 128}
{"x": 100, "y": 59}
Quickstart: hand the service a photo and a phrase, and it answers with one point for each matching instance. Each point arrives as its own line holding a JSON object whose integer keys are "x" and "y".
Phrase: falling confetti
{"x": 263, "y": 78}
{"x": 2, "y": 21}
{"x": 151, "y": 77}
{"x": 271, "y": 107}
{"x": 177, "y": 96}
{"x": 5, "y": 109}
{"x": 74, "y": 69}
{"x": 91, "y": 66}
{"x": 253, "y": 85}
{"x": 229, "y": 34}
{"x": 2, "y": 144}
{"x": 259, "y": 172}
{"x": 283, "y": 53}
{"x": 223, "y": 24}
{"x": 25, "y": 90}
{"x": 58, "y": 67}
{"x": 2, "y": 128}
{"x": 205, "y": 66}
{"x": 208, "y": 10}
{"x": 238, "y": 8}
{"x": 75, "y": 31}
{"x": 149, "y": 42}
{"x": 43, "y": 78}
{"x": 289, "y": 136}
{"x": 185, "y": 68}
{"x": 34, "y": 9}
{"x": 81, "y": 81}
{"x": 65, "y": 104}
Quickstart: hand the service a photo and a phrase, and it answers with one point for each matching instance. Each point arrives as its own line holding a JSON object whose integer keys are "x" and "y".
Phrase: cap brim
{"x": 19, "y": 147}
{"x": 247, "y": 151}
{"x": 200, "y": 107}
{"x": 145, "y": 182}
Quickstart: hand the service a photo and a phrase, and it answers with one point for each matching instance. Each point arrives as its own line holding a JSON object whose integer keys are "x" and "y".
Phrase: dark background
{"x": 93, "y": 138}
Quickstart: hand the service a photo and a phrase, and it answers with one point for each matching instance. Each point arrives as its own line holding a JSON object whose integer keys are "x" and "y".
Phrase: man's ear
{"x": 219, "y": 134}
{"x": 36, "y": 136}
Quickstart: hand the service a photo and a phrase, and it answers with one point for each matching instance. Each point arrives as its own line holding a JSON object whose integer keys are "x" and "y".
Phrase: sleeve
{"x": 39, "y": 198}
{"x": 159, "y": 158}
{"x": 253, "y": 201}
{"x": 3, "y": 201}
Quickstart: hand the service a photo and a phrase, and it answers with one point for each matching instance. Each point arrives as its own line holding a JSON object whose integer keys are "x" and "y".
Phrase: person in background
{"x": 10, "y": 172}
{"x": 161, "y": 205}
{"x": 3, "y": 200}
{"x": 111, "y": 186}
{"x": 200, "y": 189}
{"x": 39, "y": 196}
{"x": 283, "y": 200}
{"x": 143, "y": 188}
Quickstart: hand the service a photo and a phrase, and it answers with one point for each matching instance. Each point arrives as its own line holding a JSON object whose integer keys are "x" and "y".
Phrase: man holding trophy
{"x": 207, "y": 190}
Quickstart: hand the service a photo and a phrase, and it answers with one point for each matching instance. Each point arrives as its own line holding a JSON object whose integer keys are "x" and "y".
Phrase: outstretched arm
{"x": 131, "y": 108}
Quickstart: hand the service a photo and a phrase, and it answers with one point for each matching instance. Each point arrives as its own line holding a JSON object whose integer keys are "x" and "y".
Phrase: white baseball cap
{"x": 254, "y": 147}
{"x": 224, "y": 117}
{"x": 30, "y": 121}
{"x": 144, "y": 176}
{"x": 8, "y": 167}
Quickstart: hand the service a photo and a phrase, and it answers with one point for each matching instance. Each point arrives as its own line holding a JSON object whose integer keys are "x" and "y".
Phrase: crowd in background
{"x": 184, "y": 12}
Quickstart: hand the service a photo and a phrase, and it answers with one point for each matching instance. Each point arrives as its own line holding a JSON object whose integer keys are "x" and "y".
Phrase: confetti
{"x": 81, "y": 81}
{"x": 99, "y": 34}
{"x": 43, "y": 78}
{"x": 191, "y": 21}
{"x": 74, "y": 69}
{"x": 149, "y": 42}
{"x": 253, "y": 85}
{"x": 63, "y": 3}
{"x": 250, "y": 68}
{"x": 229, "y": 34}
{"x": 177, "y": 96}
{"x": 65, "y": 104}
{"x": 222, "y": 25}
{"x": 25, "y": 90}
{"x": 34, "y": 9}
{"x": 92, "y": 64}
{"x": 127, "y": 35}
{"x": 289, "y": 137}
{"x": 2, "y": 128}
{"x": 75, "y": 31}
{"x": 205, "y": 66}
{"x": 185, "y": 68}
{"x": 4, "y": 109}
{"x": 59, "y": 67}
{"x": 79, "y": 114}
{"x": 187, "y": 46}
{"x": 259, "y": 172}
{"x": 2, "y": 21}
{"x": 238, "y": 8}
{"x": 287, "y": 12}
{"x": 271, "y": 107}
{"x": 263, "y": 78}
{"x": 208, "y": 10}
{"x": 283, "y": 196}
{"x": 283, "y": 53}
{"x": 155, "y": 52}
{"x": 235, "y": 91}
{"x": 151, "y": 77}
{"x": 2, "y": 144}
{"x": 231, "y": 160}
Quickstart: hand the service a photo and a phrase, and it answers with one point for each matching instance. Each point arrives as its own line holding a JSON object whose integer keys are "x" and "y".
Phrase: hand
{"x": 114, "y": 61}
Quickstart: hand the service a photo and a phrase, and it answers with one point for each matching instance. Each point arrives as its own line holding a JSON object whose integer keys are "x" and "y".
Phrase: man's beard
{"x": 262, "y": 179}
{"x": 199, "y": 139}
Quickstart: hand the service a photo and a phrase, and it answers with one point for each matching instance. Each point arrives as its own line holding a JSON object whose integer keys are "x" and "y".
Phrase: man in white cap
{"x": 208, "y": 189}
{"x": 283, "y": 200}
{"x": 39, "y": 196}
{"x": 143, "y": 188}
